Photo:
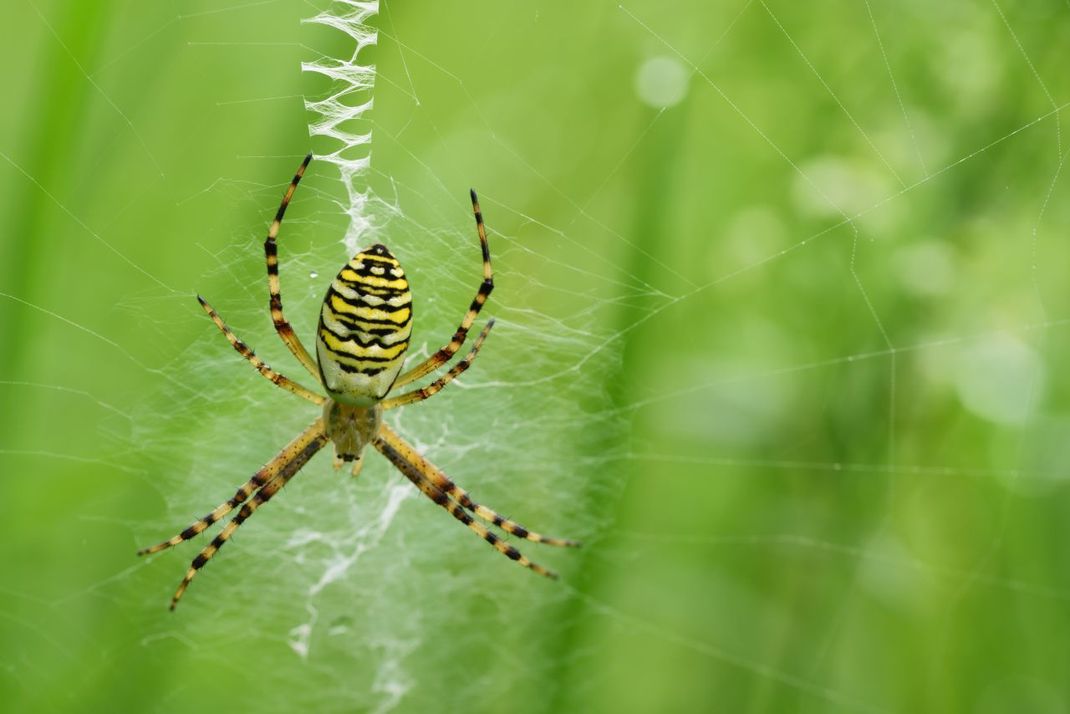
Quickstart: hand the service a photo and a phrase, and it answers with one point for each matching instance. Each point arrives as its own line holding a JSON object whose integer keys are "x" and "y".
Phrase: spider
{"x": 364, "y": 327}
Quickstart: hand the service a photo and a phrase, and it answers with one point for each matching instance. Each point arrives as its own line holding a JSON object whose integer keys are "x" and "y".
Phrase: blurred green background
{"x": 783, "y": 326}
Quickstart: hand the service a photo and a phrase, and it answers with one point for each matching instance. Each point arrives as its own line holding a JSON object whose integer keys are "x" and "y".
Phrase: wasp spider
{"x": 363, "y": 332}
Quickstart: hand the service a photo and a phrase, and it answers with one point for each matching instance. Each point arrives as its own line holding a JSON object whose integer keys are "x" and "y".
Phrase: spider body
{"x": 364, "y": 328}
{"x": 351, "y": 428}
{"x": 363, "y": 333}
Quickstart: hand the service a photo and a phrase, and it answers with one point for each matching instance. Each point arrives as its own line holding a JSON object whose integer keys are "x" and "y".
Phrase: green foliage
{"x": 787, "y": 355}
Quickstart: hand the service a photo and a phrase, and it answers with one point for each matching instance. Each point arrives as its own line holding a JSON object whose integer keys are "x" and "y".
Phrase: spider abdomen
{"x": 364, "y": 327}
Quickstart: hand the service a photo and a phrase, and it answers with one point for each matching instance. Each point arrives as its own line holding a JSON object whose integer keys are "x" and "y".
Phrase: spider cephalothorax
{"x": 364, "y": 329}
{"x": 351, "y": 428}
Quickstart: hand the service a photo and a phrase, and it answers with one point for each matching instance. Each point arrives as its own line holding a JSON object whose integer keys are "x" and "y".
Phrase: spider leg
{"x": 444, "y": 354}
{"x": 271, "y": 255}
{"x": 269, "y": 471}
{"x": 390, "y": 443}
{"x": 244, "y": 350}
{"x": 418, "y": 395}
{"x": 311, "y": 440}
{"x": 414, "y": 474}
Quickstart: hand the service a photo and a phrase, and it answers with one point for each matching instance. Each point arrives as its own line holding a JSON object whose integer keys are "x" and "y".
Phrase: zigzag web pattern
{"x": 337, "y": 116}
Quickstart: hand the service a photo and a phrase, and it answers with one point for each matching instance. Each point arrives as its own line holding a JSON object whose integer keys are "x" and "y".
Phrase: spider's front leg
{"x": 435, "y": 485}
{"x": 265, "y": 483}
{"x": 415, "y": 473}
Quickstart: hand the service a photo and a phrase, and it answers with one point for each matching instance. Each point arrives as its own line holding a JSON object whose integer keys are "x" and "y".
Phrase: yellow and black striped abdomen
{"x": 364, "y": 329}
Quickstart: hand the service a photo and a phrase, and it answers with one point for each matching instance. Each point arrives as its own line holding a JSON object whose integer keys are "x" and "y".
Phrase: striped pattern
{"x": 245, "y": 351}
{"x": 285, "y": 466}
{"x": 271, "y": 256}
{"x": 432, "y": 474}
{"x": 269, "y": 471}
{"x": 415, "y": 474}
{"x": 443, "y": 355}
{"x": 364, "y": 328}
{"x": 418, "y": 395}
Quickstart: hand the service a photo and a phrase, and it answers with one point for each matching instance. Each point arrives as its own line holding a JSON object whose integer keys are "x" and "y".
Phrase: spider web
{"x": 780, "y": 317}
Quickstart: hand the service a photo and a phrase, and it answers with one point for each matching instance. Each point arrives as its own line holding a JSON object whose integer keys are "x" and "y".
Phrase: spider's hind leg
{"x": 445, "y": 353}
{"x": 271, "y": 257}
{"x": 418, "y": 395}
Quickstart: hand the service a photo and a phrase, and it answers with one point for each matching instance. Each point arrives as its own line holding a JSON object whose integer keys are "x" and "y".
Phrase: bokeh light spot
{"x": 661, "y": 82}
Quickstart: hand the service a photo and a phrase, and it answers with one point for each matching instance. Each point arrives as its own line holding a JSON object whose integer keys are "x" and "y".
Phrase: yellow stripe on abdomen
{"x": 365, "y": 323}
{"x": 339, "y": 305}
